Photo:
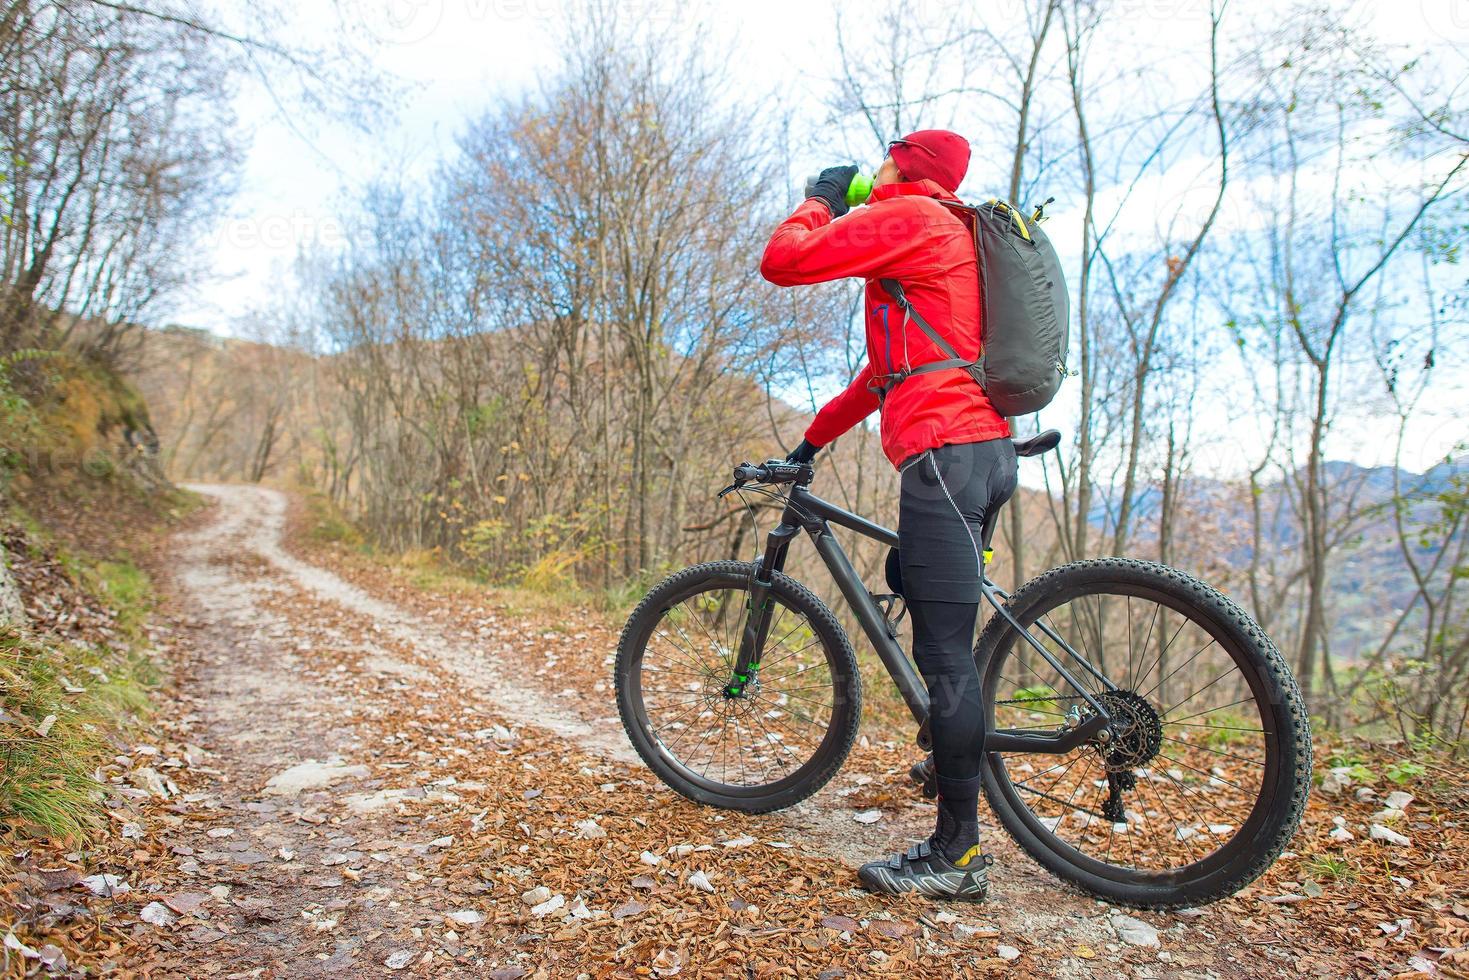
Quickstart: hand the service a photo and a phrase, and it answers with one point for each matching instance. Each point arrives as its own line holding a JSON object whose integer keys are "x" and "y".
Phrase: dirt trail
{"x": 440, "y": 783}
{"x": 256, "y": 518}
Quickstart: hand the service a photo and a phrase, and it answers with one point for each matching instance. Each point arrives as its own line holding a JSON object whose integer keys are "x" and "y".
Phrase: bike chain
{"x": 1059, "y": 697}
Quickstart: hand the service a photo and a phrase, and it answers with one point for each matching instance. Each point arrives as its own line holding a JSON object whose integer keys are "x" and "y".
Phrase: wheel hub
{"x": 742, "y": 686}
{"x": 1136, "y": 731}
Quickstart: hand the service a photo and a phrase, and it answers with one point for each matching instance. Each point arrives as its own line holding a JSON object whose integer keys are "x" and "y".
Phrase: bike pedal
{"x": 925, "y": 776}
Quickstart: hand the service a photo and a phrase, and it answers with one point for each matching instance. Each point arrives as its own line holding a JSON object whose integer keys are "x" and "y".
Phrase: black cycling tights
{"x": 946, "y": 494}
{"x": 943, "y": 648}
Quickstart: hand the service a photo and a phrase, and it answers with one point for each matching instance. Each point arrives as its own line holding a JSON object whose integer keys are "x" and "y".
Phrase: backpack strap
{"x": 953, "y": 360}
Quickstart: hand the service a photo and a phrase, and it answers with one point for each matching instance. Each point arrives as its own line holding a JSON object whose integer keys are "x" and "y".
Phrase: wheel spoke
{"x": 1200, "y": 714}
{"x": 1205, "y": 748}
{"x": 1132, "y": 681}
{"x": 1175, "y": 670}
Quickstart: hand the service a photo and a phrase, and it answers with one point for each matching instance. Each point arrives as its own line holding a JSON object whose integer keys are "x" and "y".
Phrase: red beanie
{"x": 932, "y": 154}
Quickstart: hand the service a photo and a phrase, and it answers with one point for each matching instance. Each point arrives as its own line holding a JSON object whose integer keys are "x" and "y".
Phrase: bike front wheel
{"x": 1204, "y": 771}
{"x": 791, "y": 724}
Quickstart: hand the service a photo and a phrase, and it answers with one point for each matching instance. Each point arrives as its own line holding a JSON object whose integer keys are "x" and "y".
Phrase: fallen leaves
{"x": 186, "y": 902}
{"x": 795, "y": 901}
{"x": 891, "y": 929}
{"x": 565, "y": 863}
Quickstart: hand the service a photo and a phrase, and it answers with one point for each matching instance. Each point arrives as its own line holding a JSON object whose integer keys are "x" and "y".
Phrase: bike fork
{"x": 758, "y": 614}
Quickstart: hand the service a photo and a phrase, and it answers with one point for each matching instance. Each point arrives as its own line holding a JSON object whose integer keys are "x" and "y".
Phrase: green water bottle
{"x": 858, "y": 191}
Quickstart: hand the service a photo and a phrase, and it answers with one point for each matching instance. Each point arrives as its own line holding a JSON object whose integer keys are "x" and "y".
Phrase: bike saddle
{"x": 1043, "y": 442}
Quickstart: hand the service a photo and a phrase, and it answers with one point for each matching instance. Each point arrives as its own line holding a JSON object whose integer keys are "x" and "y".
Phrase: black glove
{"x": 832, "y": 186}
{"x": 804, "y": 453}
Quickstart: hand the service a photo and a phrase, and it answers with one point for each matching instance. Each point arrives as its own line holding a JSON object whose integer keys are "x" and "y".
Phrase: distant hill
{"x": 1369, "y": 581}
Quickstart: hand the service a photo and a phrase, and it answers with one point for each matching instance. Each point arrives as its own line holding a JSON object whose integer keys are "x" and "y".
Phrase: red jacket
{"x": 903, "y": 234}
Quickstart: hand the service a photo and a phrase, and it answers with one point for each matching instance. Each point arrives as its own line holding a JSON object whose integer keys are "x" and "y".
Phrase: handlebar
{"x": 772, "y": 471}
{"x": 776, "y": 471}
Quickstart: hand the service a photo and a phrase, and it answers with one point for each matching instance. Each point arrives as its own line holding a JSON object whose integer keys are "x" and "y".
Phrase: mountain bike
{"x": 1144, "y": 739}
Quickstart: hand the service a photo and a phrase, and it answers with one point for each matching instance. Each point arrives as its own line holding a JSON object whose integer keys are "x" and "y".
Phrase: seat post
{"x": 987, "y": 529}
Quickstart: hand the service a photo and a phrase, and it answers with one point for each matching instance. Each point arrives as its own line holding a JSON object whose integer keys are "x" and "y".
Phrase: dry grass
{"x": 63, "y": 703}
{"x": 70, "y": 681}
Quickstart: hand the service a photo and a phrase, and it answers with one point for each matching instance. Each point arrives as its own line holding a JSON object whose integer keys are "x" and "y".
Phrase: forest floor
{"x": 356, "y": 773}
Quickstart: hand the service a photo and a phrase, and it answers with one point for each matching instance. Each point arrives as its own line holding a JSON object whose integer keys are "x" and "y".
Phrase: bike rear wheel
{"x": 793, "y": 722}
{"x": 1205, "y": 773}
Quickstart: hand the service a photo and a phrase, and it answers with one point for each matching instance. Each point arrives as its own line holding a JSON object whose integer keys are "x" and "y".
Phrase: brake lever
{"x": 730, "y": 489}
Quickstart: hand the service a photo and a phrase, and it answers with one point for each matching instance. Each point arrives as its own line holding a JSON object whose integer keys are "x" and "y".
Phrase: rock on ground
{"x": 313, "y": 775}
{"x": 1133, "y": 931}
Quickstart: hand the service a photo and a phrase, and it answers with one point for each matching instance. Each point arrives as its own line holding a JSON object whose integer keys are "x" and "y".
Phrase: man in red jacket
{"x": 952, "y": 448}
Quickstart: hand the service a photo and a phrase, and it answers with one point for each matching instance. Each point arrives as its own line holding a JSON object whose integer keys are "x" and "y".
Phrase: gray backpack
{"x": 1025, "y": 320}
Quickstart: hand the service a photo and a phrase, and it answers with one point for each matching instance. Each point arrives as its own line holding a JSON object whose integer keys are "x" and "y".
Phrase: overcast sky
{"x": 457, "y": 56}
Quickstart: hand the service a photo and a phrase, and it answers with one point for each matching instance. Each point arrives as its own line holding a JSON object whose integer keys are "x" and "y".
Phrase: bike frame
{"x": 806, "y": 511}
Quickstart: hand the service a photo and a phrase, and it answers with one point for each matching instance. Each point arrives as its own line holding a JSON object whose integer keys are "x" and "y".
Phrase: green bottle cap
{"x": 859, "y": 190}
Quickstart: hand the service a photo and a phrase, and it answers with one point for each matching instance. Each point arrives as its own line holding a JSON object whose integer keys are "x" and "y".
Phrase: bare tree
{"x": 114, "y": 130}
{"x": 1331, "y": 237}
{"x": 541, "y": 360}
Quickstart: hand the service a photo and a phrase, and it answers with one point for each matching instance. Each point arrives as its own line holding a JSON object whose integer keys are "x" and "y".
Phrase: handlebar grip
{"x": 749, "y": 471}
